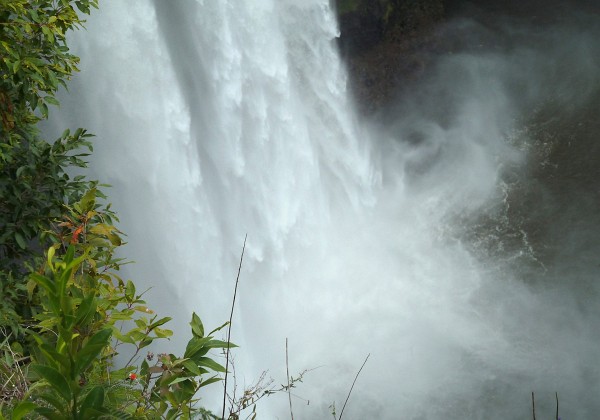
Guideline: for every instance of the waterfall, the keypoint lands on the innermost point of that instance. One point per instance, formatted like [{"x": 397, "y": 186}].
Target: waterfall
[{"x": 217, "y": 119}]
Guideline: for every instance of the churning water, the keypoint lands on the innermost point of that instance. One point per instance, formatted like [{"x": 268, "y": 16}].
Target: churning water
[{"x": 454, "y": 238}]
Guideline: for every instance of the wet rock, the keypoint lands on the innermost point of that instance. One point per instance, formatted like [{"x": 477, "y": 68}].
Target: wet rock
[{"x": 383, "y": 43}]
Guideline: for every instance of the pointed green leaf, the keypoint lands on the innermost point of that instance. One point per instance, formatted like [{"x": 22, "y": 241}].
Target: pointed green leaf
[
  {"x": 50, "y": 414},
  {"x": 88, "y": 201},
  {"x": 177, "y": 380},
  {"x": 51, "y": 100},
  {"x": 191, "y": 366},
  {"x": 163, "y": 332},
  {"x": 22, "y": 409},
  {"x": 45, "y": 282},
  {"x": 219, "y": 328},
  {"x": 210, "y": 381},
  {"x": 54, "y": 402},
  {"x": 92, "y": 349},
  {"x": 56, "y": 380},
  {"x": 159, "y": 323},
  {"x": 20, "y": 240},
  {"x": 210, "y": 363},
  {"x": 130, "y": 290},
  {"x": 218, "y": 344},
  {"x": 197, "y": 327},
  {"x": 195, "y": 345},
  {"x": 94, "y": 398},
  {"x": 125, "y": 338},
  {"x": 53, "y": 357}
]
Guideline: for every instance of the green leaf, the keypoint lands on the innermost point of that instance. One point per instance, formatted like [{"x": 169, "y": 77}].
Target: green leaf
[
  {"x": 54, "y": 402},
  {"x": 45, "y": 282},
  {"x": 92, "y": 349},
  {"x": 219, "y": 328},
  {"x": 44, "y": 109},
  {"x": 86, "y": 310},
  {"x": 94, "y": 399},
  {"x": 88, "y": 201},
  {"x": 197, "y": 327},
  {"x": 159, "y": 323},
  {"x": 124, "y": 315},
  {"x": 51, "y": 252},
  {"x": 192, "y": 367},
  {"x": 130, "y": 290},
  {"x": 22, "y": 409},
  {"x": 20, "y": 240},
  {"x": 34, "y": 15},
  {"x": 195, "y": 345},
  {"x": 50, "y": 414},
  {"x": 53, "y": 356},
  {"x": 20, "y": 170},
  {"x": 177, "y": 380},
  {"x": 209, "y": 363},
  {"x": 218, "y": 344},
  {"x": 51, "y": 100},
  {"x": 210, "y": 381},
  {"x": 145, "y": 342},
  {"x": 163, "y": 332},
  {"x": 125, "y": 338},
  {"x": 56, "y": 380}
]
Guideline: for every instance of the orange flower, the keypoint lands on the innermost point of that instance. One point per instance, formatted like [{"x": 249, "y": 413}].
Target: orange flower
[{"x": 76, "y": 233}]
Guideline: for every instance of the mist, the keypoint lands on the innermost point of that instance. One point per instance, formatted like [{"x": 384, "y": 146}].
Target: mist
[{"x": 452, "y": 236}]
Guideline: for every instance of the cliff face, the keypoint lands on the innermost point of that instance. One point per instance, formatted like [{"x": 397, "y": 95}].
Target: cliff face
[
  {"x": 366, "y": 23},
  {"x": 387, "y": 43},
  {"x": 382, "y": 41}
]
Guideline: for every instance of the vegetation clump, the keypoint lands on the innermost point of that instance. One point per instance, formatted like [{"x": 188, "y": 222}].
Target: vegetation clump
[{"x": 65, "y": 313}]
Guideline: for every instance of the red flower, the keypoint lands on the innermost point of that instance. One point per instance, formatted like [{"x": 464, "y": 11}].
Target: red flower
[{"x": 132, "y": 376}]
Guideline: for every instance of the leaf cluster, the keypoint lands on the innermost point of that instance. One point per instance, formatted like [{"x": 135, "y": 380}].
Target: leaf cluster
[
  {"x": 89, "y": 315},
  {"x": 35, "y": 180},
  {"x": 34, "y": 56}
]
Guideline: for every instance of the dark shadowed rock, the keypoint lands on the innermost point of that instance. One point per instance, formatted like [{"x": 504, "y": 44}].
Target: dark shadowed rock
[{"x": 382, "y": 41}]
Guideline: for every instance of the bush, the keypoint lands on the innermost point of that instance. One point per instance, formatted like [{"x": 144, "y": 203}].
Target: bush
[
  {"x": 34, "y": 183},
  {"x": 88, "y": 315}
]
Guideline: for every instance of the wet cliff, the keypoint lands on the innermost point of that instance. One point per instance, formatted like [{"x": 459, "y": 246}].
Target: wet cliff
[{"x": 384, "y": 42}]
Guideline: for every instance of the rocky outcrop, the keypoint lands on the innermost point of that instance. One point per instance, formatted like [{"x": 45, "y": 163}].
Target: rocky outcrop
[{"x": 382, "y": 41}]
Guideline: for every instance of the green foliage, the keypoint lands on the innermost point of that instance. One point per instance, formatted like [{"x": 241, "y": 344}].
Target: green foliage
[
  {"x": 88, "y": 316},
  {"x": 34, "y": 184},
  {"x": 34, "y": 57}
]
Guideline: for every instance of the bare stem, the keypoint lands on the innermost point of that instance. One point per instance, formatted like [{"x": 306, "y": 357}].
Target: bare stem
[
  {"x": 533, "y": 405},
  {"x": 556, "y": 394},
  {"x": 287, "y": 368},
  {"x": 229, "y": 327},
  {"x": 352, "y": 387}
]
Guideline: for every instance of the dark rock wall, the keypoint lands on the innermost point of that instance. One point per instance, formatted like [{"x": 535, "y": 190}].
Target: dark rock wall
[
  {"x": 365, "y": 23},
  {"x": 381, "y": 41},
  {"x": 387, "y": 43}
]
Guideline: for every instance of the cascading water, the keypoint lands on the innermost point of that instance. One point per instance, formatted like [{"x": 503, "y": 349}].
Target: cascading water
[{"x": 217, "y": 119}]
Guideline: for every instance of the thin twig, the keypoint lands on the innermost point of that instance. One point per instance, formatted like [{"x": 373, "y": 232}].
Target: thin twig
[
  {"x": 533, "y": 405},
  {"x": 229, "y": 327},
  {"x": 350, "y": 392},
  {"x": 556, "y": 394},
  {"x": 287, "y": 368}
]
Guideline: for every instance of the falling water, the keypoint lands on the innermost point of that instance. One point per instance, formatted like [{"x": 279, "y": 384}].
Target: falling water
[{"x": 405, "y": 237}]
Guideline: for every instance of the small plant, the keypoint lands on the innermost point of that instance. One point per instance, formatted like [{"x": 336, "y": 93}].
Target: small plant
[{"x": 88, "y": 314}]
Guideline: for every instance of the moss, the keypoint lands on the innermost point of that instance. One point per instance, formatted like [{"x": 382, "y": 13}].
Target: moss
[{"x": 347, "y": 6}]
